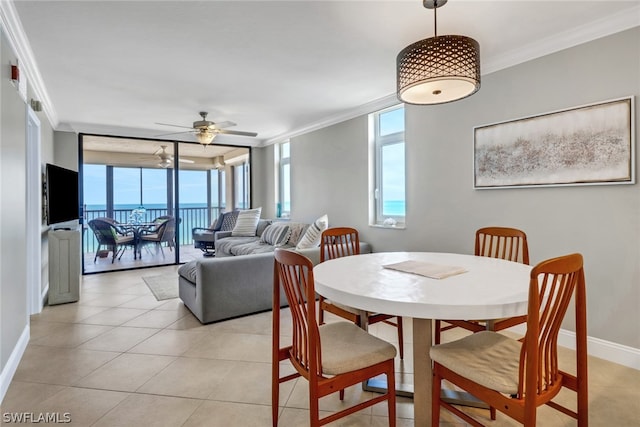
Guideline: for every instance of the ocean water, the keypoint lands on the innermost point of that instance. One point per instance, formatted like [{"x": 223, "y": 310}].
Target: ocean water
[{"x": 394, "y": 207}]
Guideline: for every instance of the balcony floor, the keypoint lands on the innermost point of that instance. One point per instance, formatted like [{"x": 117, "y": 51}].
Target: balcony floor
[{"x": 149, "y": 258}]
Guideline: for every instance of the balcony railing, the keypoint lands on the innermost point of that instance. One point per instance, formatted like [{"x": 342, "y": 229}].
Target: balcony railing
[{"x": 188, "y": 218}]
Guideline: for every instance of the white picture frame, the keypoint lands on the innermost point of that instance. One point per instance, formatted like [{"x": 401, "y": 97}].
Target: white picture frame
[{"x": 588, "y": 145}]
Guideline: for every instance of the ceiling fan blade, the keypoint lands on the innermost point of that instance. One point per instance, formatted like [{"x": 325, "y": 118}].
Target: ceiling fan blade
[
  {"x": 177, "y": 126},
  {"x": 223, "y": 125},
  {"x": 174, "y": 133},
  {"x": 236, "y": 132}
]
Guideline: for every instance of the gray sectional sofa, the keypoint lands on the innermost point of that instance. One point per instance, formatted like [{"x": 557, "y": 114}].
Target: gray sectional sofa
[{"x": 229, "y": 285}]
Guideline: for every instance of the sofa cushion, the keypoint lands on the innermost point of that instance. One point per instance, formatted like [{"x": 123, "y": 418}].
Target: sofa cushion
[
  {"x": 188, "y": 271},
  {"x": 276, "y": 234},
  {"x": 251, "y": 248},
  {"x": 225, "y": 245},
  {"x": 247, "y": 223},
  {"x": 229, "y": 221},
  {"x": 313, "y": 234}
]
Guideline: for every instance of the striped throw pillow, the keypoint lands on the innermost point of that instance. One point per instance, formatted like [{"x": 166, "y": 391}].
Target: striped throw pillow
[
  {"x": 247, "y": 223},
  {"x": 276, "y": 234},
  {"x": 311, "y": 237}
]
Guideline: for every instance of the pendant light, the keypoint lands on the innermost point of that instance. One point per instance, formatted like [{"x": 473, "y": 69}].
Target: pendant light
[{"x": 438, "y": 69}]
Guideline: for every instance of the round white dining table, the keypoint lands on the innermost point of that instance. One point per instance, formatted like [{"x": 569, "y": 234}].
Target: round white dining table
[{"x": 489, "y": 288}]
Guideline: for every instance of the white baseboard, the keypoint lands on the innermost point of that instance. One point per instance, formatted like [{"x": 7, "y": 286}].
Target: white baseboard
[
  {"x": 11, "y": 366},
  {"x": 616, "y": 353},
  {"x": 607, "y": 350}
]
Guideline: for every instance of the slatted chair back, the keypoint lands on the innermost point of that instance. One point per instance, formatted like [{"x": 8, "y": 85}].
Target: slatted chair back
[
  {"x": 553, "y": 283},
  {"x": 338, "y": 242},
  {"x": 502, "y": 242},
  {"x": 296, "y": 278}
]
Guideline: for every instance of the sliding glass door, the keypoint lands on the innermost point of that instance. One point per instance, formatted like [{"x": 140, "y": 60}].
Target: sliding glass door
[{"x": 139, "y": 184}]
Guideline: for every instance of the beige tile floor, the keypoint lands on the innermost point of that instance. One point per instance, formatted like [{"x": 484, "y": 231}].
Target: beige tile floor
[{"x": 118, "y": 357}]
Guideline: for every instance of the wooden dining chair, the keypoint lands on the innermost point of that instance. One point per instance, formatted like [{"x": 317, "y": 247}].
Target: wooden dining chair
[
  {"x": 330, "y": 357},
  {"x": 515, "y": 377},
  {"x": 496, "y": 242},
  {"x": 337, "y": 242}
]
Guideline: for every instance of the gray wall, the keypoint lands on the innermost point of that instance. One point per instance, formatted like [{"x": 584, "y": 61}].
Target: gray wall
[
  {"x": 330, "y": 175},
  {"x": 13, "y": 292},
  {"x": 65, "y": 151},
  {"x": 13, "y": 228}
]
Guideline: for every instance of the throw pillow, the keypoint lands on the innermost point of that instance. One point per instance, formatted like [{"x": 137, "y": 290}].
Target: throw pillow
[
  {"x": 229, "y": 221},
  {"x": 247, "y": 223},
  {"x": 276, "y": 234},
  {"x": 312, "y": 236},
  {"x": 297, "y": 231}
]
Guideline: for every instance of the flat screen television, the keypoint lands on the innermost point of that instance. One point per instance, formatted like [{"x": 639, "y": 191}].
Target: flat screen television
[{"x": 62, "y": 202}]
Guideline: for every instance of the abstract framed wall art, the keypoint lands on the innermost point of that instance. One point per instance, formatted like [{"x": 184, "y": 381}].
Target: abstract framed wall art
[{"x": 587, "y": 145}]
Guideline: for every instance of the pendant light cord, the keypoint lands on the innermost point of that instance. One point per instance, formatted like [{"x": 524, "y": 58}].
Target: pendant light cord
[{"x": 435, "y": 18}]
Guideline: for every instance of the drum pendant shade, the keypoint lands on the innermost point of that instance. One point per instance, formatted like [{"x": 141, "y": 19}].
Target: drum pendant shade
[{"x": 439, "y": 69}]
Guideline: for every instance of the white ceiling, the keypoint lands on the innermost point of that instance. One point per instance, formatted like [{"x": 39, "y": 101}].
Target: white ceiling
[{"x": 274, "y": 67}]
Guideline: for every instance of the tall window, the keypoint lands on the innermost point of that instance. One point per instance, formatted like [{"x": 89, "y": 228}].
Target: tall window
[
  {"x": 241, "y": 186},
  {"x": 389, "y": 160},
  {"x": 283, "y": 158}
]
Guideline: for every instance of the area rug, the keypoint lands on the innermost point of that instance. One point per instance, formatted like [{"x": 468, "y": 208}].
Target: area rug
[{"x": 163, "y": 287}]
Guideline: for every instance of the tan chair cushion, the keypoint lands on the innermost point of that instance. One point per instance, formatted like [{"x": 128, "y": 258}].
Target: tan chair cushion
[
  {"x": 487, "y": 358},
  {"x": 346, "y": 347},
  {"x": 124, "y": 239},
  {"x": 153, "y": 237}
]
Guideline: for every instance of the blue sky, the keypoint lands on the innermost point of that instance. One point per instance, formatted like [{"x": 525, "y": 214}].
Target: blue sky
[{"x": 126, "y": 181}]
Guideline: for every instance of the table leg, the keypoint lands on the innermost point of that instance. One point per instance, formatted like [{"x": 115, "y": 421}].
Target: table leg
[{"x": 422, "y": 372}]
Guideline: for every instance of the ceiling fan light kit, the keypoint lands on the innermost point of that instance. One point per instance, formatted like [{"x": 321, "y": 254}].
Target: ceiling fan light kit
[
  {"x": 439, "y": 69},
  {"x": 205, "y": 136}
]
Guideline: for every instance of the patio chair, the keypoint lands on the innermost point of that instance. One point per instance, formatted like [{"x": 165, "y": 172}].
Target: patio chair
[
  {"x": 112, "y": 237},
  {"x": 164, "y": 232}
]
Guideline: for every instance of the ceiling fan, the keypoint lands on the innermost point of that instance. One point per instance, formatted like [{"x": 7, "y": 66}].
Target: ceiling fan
[
  {"x": 205, "y": 130},
  {"x": 166, "y": 159}
]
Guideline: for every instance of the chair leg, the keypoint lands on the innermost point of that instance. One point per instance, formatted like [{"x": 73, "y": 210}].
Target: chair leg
[
  {"x": 96, "y": 257},
  {"x": 436, "y": 335},
  {"x": 400, "y": 338},
  {"x": 275, "y": 393},
  {"x": 391, "y": 403},
  {"x": 435, "y": 398},
  {"x": 320, "y": 311}
]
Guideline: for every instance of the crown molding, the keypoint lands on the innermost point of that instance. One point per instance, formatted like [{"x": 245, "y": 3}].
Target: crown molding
[
  {"x": 606, "y": 26},
  {"x": 28, "y": 67},
  {"x": 360, "y": 110}
]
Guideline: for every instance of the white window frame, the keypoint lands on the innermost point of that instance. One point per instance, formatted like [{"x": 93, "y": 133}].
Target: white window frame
[
  {"x": 281, "y": 163},
  {"x": 378, "y": 142}
]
